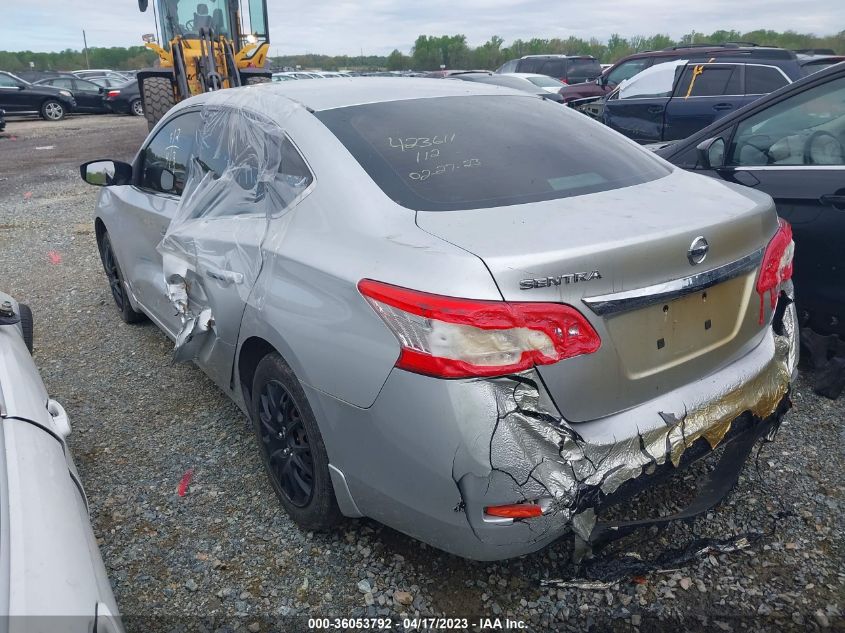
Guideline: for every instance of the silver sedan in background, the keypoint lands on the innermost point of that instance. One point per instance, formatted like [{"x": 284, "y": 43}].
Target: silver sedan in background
[
  {"x": 459, "y": 309},
  {"x": 51, "y": 575}
]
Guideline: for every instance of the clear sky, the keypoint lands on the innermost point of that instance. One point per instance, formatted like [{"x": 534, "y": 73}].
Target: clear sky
[{"x": 379, "y": 26}]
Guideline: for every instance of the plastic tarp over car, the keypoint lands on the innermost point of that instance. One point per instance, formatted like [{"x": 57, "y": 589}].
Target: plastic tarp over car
[
  {"x": 657, "y": 81},
  {"x": 235, "y": 189}
]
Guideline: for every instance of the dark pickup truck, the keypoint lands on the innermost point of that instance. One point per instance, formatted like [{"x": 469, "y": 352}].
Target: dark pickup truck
[{"x": 673, "y": 100}]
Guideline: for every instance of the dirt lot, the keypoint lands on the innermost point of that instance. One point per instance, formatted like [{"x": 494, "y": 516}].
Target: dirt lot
[{"x": 227, "y": 550}]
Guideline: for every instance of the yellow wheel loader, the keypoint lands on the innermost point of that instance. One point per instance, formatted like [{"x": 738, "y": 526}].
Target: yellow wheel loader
[{"x": 205, "y": 46}]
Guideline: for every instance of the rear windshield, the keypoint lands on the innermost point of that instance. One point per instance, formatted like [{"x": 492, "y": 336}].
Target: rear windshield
[{"x": 477, "y": 152}]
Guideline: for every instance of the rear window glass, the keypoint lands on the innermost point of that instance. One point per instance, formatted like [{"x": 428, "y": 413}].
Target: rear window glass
[
  {"x": 485, "y": 151},
  {"x": 763, "y": 79}
]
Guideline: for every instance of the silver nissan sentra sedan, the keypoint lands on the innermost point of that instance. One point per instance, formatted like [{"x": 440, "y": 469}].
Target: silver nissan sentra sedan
[{"x": 460, "y": 310}]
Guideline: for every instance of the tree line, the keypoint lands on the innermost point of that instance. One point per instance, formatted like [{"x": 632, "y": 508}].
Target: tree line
[
  {"x": 430, "y": 52},
  {"x": 115, "y": 58}
]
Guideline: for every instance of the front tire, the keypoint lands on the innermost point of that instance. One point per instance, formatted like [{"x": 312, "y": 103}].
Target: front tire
[
  {"x": 291, "y": 446},
  {"x": 115, "y": 277},
  {"x": 158, "y": 98},
  {"x": 136, "y": 107},
  {"x": 52, "y": 110}
]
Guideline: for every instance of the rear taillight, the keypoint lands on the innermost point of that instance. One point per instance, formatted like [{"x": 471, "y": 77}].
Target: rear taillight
[
  {"x": 777, "y": 264},
  {"x": 456, "y": 338},
  {"x": 563, "y": 81},
  {"x": 113, "y": 93}
]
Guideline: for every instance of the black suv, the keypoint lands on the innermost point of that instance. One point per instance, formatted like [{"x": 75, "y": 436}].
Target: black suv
[
  {"x": 19, "y": 96},
  {"x": 570, "y": 69}
]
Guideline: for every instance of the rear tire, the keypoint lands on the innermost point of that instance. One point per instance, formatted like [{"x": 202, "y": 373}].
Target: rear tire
[
  {"x": 291, "y": 446},
  {"x": 136, "y": 107},
  {"x": 158, "y": 98},
  {"x": 52, "y": 110},
  {"x": 26, "y": 324},
  {"x": 115, "y": 277},
  {"x": 257, "y": 80}
]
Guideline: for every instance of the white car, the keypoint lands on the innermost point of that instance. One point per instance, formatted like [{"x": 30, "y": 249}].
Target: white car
[
  {"x": 549, "y": 84},
  {"x": 49, "y": 562}
]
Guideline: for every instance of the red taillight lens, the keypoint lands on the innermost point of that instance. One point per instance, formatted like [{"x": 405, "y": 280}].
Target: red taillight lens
[
  {"x": 449, "y": 337},
  {"x": 563, "y": 81},
  {"x": 777, "y": 264},
  {"x": 113, "y": 93},
  {"x": 515, "y": 511}
]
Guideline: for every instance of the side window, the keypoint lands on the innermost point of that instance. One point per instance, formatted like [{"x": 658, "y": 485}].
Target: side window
[
  {"x": 7, "y": 82},
  {"x": 530, "y": 65},
  {"x": 554, "y": 68},
  {"x": 294, "y": 175},
  {"x": 760, "y": 80},
  {"x": 626, "y": 70},
  {"x": 86, "y": 86},
  {"x": 700, "y": 80},
  {"x": 165, "y": 160},
  {"x": 63, "y": 82},
  {"x": 509, "y": 67},
  {"x": 808, "y": 128}
]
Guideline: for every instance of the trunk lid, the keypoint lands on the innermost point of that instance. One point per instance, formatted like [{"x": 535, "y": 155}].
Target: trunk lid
[{"x": 629, "y": 240}]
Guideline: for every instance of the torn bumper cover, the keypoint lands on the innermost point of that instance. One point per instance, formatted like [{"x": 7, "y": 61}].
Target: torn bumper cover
[
  {"x": 573, "y": 470},
  {"x": 440, "y": 453}
]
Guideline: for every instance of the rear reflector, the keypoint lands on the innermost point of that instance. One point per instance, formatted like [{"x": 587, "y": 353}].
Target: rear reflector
[
  {"x": 777, "y": 265},
  {"x": 515, "y": 511},
  {"x": 449, "y": 337}
]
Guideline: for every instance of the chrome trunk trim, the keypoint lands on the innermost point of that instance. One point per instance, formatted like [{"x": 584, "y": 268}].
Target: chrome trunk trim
[{"x": 616, "y": 302}]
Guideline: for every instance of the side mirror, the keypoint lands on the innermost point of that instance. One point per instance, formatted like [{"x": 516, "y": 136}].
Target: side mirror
[
  {"x": 103, "y": 173},
  {"x": 602, "y": 81},
  {"x": 711, "y": 153}
]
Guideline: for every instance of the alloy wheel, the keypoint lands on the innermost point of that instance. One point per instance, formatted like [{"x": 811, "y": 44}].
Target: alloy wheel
[
  {"x": 137, "y": 108},
  {"x": 286, "y": 444},
  {"x": 54, "y": 111}
]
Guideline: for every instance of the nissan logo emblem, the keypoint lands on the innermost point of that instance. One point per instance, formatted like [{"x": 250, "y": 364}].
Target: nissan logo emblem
[{"x": 697, "y": 252}]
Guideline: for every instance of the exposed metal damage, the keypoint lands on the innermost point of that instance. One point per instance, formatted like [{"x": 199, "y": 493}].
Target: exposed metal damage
[{"x": 538, "y": 457}]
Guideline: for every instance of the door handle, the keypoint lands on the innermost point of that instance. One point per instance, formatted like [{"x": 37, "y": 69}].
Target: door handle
[
  {"x": 723, "y": 106},
  {"x": 225, "y": 276},
  {"x": 655, "y": 109},
  {"x": 833, "y": 199}
]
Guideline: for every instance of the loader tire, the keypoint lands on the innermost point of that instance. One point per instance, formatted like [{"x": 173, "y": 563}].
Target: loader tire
[
  {"x": 158, "y": 98},
  {"x": 257, "y": 80}
]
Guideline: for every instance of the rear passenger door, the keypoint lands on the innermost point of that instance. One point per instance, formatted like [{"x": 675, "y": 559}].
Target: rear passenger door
[
  {"x": 637, "y": 110},
  {"x": 705, "y": 93},
  {"x": 252, "y": 176}
]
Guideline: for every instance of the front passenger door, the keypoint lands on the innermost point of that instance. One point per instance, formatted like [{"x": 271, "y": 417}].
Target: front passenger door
[{"x": 144, "y": 211}]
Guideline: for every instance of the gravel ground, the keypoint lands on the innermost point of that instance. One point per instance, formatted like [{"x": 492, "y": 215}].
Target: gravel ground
[{"x": 226, "y": 548}]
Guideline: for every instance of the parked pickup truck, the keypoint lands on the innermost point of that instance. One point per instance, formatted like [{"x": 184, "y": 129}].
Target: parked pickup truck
[{"x": 673, "y": 100}]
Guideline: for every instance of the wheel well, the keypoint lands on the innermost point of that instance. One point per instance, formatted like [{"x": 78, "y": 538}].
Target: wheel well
[{"x": 252, "y": 351}]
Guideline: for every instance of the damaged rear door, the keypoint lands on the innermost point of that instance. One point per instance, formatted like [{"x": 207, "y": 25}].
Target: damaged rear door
[{"x": 212, "y": 252}]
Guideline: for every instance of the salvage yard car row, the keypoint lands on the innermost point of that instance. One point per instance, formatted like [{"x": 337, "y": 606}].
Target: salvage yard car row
[{"x": 55, "y": 97}]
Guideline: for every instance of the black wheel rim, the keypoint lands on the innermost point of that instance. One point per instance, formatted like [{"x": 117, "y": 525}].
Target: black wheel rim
[
  {"x": 285, "y": 443},
  {"x": 110, "y": 264}
]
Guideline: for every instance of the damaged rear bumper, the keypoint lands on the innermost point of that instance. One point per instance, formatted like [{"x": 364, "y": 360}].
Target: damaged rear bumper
[{"x": 431, "y": 455}]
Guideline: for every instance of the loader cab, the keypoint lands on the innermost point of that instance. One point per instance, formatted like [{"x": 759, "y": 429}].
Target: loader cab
[{"x": 188, "y": 18}]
